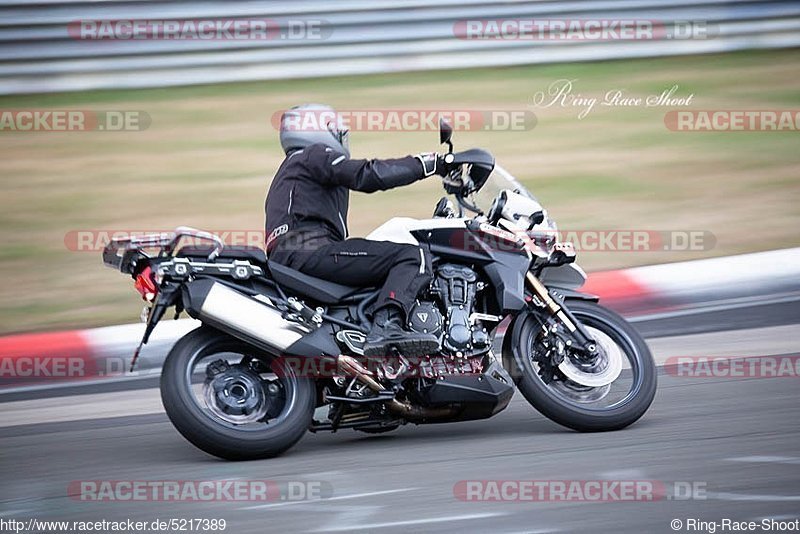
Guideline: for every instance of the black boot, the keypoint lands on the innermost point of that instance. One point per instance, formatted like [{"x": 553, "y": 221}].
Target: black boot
[{"x": 388, "y": 333}]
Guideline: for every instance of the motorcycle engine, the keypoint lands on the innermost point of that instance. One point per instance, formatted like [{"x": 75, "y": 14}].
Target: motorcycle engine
[
  {"x": 425, "y": 318},
  {"x": 456, "y": 287}
]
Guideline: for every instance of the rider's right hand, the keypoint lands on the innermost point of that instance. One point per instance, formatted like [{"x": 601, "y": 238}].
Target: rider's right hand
[{"x": 433, "y": 163}]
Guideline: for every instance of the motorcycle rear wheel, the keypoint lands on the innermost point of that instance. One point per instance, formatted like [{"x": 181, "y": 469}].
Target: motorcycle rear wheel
[{"x": 213, "y": 421}]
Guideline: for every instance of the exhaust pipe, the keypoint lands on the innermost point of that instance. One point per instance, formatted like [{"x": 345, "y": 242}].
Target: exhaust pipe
[
  {"x": 240, "y": 315},
  {"x": 413, "y": 413}
]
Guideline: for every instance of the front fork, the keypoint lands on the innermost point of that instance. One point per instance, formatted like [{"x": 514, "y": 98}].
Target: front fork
[{"x": 575, "y": 328}]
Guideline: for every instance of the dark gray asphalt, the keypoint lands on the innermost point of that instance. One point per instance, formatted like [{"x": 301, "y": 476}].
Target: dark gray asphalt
[
  {"x": 770, "y": 310},
  {"x": 694, "y": 430},
  {"x": 736, "y": 440}
]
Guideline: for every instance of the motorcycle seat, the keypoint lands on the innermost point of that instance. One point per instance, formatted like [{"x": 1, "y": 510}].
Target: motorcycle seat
[
  {"x": 322, "y": 291},
  {"x": 252, "y": 254},
  {"x": 317, "y": 289}
]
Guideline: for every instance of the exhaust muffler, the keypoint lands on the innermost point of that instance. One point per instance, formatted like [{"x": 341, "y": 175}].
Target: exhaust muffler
[{"x": 242, "y": 316}]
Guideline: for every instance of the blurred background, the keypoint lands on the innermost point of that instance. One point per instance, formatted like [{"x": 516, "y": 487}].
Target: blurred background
[
  {"x": 204, "y": 148},
  {"x": 210, "y": 147}
]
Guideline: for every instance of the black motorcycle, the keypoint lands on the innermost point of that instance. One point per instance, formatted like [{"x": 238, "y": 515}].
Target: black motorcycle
[{"x": 280, "y": 352}]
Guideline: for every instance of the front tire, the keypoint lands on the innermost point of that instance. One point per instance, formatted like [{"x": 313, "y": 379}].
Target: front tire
[
  {"x": 556, "y": 406},
  {"x": 206, "y": 427}
]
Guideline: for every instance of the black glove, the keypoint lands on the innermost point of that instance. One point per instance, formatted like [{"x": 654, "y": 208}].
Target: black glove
[{"x": 433, "y": 163}]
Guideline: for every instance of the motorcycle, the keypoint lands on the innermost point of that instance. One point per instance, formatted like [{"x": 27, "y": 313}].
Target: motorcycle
[{"x": 280, "y": 353}]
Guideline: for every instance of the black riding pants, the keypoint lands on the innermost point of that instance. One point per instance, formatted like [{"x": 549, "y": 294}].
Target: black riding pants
[{"x": 402, "y": 270}]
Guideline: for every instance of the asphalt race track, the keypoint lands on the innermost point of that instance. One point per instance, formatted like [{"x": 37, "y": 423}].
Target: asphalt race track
[{"x": 734, "y": 441}]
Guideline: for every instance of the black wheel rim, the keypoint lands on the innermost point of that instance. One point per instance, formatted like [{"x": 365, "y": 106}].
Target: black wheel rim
[
  {"x": 633, "y": 376},
  {"x": 253, "y": 392}
]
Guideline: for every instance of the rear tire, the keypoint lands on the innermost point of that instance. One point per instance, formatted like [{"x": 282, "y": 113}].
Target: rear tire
[
  {"x": 541, "y": 397},
  {"x": 212, "y": 435}
]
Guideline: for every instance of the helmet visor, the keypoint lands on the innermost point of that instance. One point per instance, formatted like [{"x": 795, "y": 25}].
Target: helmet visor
[
  {"x": 338, "y": 129},
  {"x": 344, "y": 139}
]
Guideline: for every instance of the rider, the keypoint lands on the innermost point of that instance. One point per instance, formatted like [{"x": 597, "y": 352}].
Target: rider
[{"x": 306, "y": 210}]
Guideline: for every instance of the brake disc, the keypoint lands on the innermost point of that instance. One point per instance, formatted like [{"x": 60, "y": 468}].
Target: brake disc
[{"x": 603, "y": 370}]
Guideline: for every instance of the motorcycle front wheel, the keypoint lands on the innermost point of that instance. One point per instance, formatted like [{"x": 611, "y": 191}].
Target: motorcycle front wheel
[{"x": 586, "y": 408}]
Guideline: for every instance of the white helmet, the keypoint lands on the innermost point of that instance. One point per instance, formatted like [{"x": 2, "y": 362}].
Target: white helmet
[{"x": 309, "y": 124}]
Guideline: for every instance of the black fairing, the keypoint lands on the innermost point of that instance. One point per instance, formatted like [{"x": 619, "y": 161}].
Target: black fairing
[
  {"x": 507, "y": 276},
  {"x": 480, "y": 396},
  {"x": 504, "y": 263}
]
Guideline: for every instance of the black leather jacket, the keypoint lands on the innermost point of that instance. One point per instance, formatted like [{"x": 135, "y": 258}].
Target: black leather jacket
[{"x": 310, "y": 194}]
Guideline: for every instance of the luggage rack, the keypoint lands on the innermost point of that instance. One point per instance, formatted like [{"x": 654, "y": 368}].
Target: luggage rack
[{"x": 123, "y": 253}]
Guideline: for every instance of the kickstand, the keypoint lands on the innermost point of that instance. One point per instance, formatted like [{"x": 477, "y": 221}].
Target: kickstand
[{"x": 136, "y": 355}]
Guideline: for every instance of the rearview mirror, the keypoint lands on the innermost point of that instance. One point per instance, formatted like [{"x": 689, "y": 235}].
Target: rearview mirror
[{"x": 445, "y": 133}]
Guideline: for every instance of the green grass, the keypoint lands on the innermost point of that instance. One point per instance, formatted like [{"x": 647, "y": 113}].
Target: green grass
[{"x": 207, "y": 157}]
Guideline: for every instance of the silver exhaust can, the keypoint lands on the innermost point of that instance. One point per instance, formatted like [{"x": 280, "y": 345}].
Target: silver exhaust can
[{"x": 244, "y": 317}]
